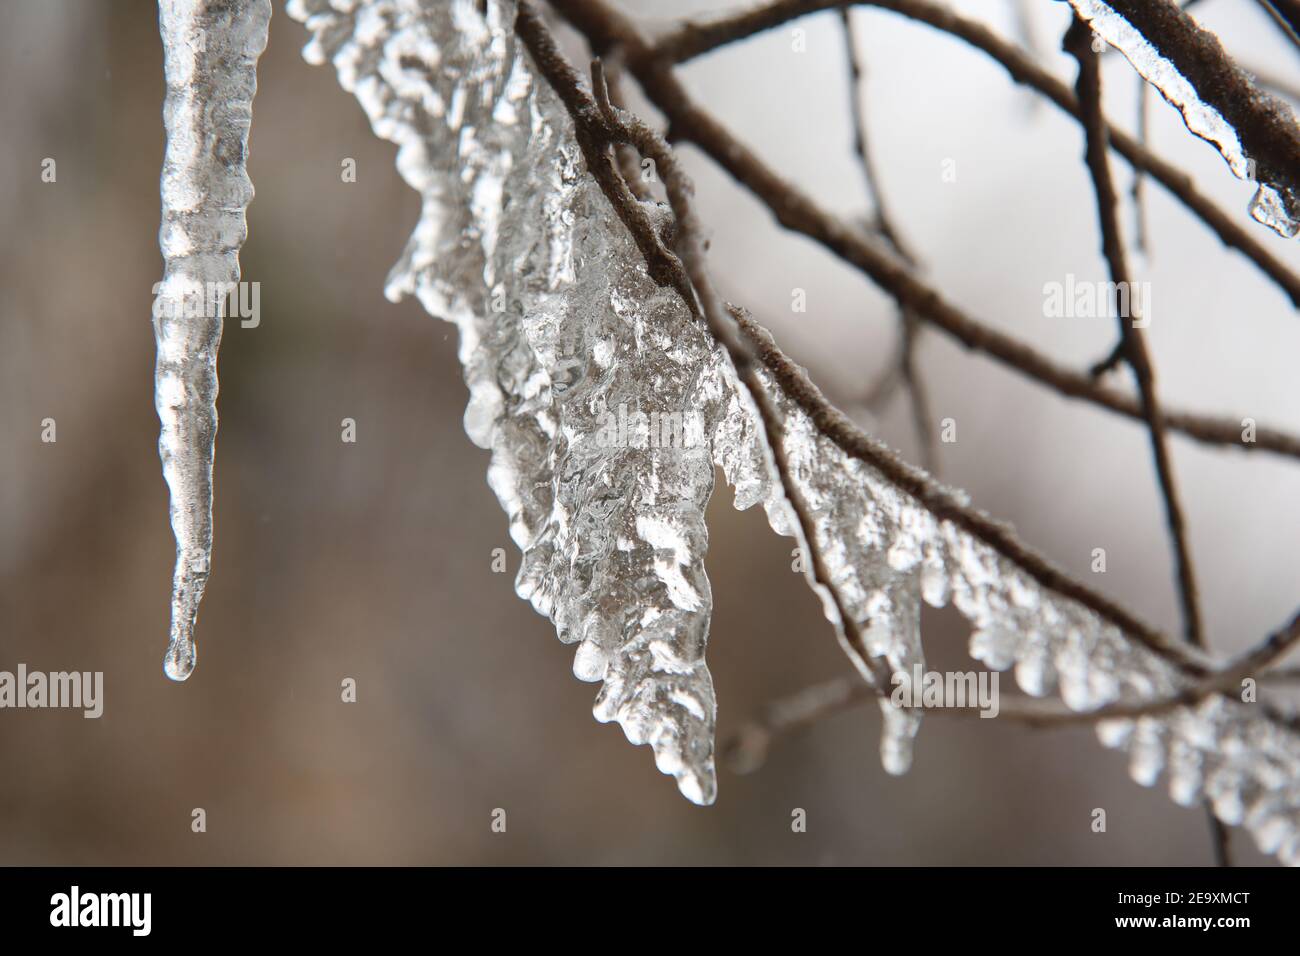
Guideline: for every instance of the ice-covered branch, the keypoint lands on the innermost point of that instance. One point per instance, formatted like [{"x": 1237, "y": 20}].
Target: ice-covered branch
[
  {"x": 695, "y": 38},
  {"x": 574, "y": 296},
  {"x": 1255, "y": 131},
  {"x": 748, "y": 748}
]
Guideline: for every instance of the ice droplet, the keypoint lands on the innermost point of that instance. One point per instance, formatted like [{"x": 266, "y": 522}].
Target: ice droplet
[
  {"x": 1267, "y": 207},
  {"x": 180, "y": 659},
  {"x": 210, "y": 51}
]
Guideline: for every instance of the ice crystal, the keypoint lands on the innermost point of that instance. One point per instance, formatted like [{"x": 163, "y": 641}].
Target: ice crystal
[
  {"x": 560, "y": 325},
  {"x": 210, "y": 51}
]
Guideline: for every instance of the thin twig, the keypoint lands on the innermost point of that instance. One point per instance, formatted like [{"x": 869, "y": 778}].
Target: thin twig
[
  {"x": 747, "y": 750},
  {"x": 1112, "y": 360},
  {"x": 922, "y": 418},
  {"x": 885, "y": 224},
  {"x": 1078, "y": 43},
  {"x": 1139, "y": 177},
  {"x": 1287, "y": 26},
  {"x": 906, "y": 371},
  {"x": 887, "y": 383},
  {"x": 627, "y": 155}
]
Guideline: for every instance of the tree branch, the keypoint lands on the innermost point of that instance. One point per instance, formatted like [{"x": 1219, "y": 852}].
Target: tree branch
[
  {"x": 694, "y": 38},
  {"x": 906, "y": 371}
]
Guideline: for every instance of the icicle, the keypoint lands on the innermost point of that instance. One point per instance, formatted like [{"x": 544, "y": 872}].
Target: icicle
[{"x": 210, "y": 51}]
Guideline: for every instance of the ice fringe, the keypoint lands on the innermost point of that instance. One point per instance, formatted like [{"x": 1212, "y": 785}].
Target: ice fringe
[
  {"x": 210, "y": 51},
  {"x": 559, "y": 323}
]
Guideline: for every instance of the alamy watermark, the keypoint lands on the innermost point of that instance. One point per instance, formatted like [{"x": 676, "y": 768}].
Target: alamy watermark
[
  {"x": 182, "y": 298},
  {"x": 1082, "y": 299},
  {"x": 75, "y": 690},
  {"x": 935, "y": 689},
  {"x": 75, "y": 908},
  {"x": 621, "y": 428}
]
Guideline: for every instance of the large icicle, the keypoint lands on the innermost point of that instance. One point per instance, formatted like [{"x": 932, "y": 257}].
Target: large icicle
[
  {"x": 559, "y": 324},
  {"x": 565, "y": 343},
  {"x": 210, "y": 50}
]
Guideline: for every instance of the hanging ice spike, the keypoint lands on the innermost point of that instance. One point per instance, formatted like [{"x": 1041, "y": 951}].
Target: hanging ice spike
[{"x": 210, "y": 51}]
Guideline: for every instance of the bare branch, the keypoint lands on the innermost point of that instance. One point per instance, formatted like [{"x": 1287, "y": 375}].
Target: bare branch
[
  {"x": 694, "y": 38},
  {"x": 885, "y": 224},
  {"x": 1286, "y": 15},
  {"x": 1078, "y": 43},
  {"x": 905, "y": 371},
  {"x": 1139, "y": 177},
  {"x": 747, "y": 750}
]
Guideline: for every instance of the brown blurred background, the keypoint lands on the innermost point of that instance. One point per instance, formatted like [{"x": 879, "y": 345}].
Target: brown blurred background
[{"x": 372, "y": 560}]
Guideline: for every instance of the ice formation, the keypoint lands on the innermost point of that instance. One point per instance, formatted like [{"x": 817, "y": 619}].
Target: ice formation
[
  {"x": 1269, "y": 204},
  {"x": 560, "y": 326},
  {"x": 210, "y": 51},
  {"x": 561, "y": 335}
]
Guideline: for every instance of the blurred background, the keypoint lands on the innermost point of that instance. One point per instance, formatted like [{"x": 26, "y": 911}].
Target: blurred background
[{"x": 373, "y": 561}]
